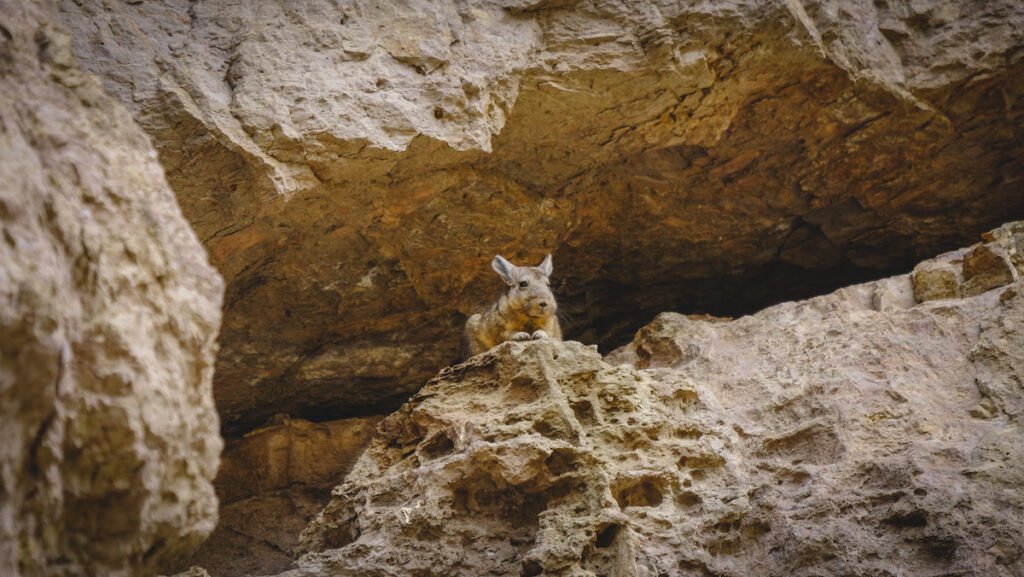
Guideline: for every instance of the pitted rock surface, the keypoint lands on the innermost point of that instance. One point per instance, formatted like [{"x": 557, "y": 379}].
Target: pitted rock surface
[
  {"x": 109, "y": 310},
  {"x": 858, "y": 433}
]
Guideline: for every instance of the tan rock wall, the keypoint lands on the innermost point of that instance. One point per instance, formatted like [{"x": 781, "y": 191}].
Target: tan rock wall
[{"x": 109, "y": 311}]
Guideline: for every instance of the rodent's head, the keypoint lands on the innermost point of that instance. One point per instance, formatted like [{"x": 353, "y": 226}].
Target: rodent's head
[{"x": 528, "y": 289}]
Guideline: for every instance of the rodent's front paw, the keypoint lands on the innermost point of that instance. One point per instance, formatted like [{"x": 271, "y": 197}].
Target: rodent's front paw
[
  {"x": 520, "y": 336},
  {"x": 539, "y": 335}
]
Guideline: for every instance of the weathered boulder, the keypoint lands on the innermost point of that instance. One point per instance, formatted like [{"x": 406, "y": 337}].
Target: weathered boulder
[
  {"x": 109, "y": 311},
  {"x": 858, "y": 433},
  {"x": 352, "y": 166}
]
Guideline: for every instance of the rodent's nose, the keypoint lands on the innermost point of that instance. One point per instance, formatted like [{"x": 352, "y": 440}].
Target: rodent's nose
[{"x": 543, "y": 305}]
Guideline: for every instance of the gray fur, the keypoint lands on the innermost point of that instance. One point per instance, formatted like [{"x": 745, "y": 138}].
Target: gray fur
[{"x": 505, "y": 269}]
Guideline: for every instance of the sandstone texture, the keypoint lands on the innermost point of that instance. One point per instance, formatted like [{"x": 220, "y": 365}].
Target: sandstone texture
[
  {"x": 858, "y": 433},
  {"x": 271, "y": 484},
  {"x": 968, "y": 272},
  {"x": 109, "y": 311},
  {"x": 352, "y": 166}
]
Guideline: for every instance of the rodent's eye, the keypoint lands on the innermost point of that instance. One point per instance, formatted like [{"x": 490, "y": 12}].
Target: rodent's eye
[{"x": 523, "y": 284}]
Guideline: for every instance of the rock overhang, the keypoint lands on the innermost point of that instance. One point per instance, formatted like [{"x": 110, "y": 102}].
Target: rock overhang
[{"x": 352, "y": 181}]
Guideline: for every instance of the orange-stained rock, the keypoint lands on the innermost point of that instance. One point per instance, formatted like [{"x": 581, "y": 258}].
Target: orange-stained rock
[
  {"x": 271, "y": 484},
  {"x": 354, "y": 166},
  {"x": 295, "y": 452}
]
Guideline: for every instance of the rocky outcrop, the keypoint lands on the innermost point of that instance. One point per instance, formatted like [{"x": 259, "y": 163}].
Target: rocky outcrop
[
  {"x": 271, "y": 484},
  {"x": 859, "y": 433},
  {"x": 972, "y": 271},
  {"x": 108, "y": 314},
  {"x": 353, "y": 166}
]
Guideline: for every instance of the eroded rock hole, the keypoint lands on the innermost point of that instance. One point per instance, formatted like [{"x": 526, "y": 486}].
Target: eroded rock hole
[
  {"x": 792, "y": 478},
  {"x": 483, "y": 496},
  {"x": 700, "y": 461},
  {"x": 817, "y": 444},
  {"x": 562, "y": 461},
  {"x": 943, "y": 550},
  {"x": 338, "y": 535},
  {"x": 689, "y": 499},
  {"x": 584, "y": 412},
  {"x": 606, "y": 535},
  {"x": 523, "y": 389},
  {"x": 728, "y": 525},
  {"x": 643, "y": 492},
  {"x": 531, "y": 568},
  {"x": 436, "y": 447},
  {"x": 690, "y": 433},
  {"x": 552, "y": 428},
  {"x": 653, "y": 433},
  {"x": 915, "y": 519}
]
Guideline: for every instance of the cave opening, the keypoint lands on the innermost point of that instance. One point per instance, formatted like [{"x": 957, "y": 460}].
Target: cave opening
[{"x": 621, "y": 310}]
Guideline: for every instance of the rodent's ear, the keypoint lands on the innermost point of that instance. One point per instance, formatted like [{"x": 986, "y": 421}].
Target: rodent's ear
[
  {"x": 546, "y": 266},
  {"x": 504, "y": 269}
]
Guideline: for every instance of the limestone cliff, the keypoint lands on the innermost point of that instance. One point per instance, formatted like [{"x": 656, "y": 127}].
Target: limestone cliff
[
  {"x": 858, "y": 433},
  {"x": 108, "y": 314},
  {"x": 352, "y": 165}
]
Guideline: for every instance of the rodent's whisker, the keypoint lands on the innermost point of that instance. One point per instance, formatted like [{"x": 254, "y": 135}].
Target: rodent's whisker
[{"x": 564, "y": 317}]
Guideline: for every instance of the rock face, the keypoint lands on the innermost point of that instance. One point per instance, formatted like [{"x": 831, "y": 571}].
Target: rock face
[
  {"x": 972, "y": 271},
  {"x": 271, "y": 484},
  {"x": 108, "y": 313},
  {"x": 859, "y": 433},
  {"x": 352, "y": 166}
]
